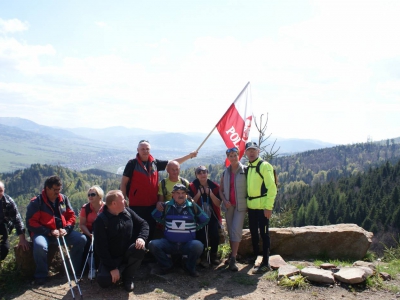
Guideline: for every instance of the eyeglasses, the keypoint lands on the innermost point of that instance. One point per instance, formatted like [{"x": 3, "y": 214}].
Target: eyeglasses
[
  {"x": 57, "y": 189},
  {"x": 202, "y": 172},
  {"x": 234, "y": 149},
  {"x": 144, "y": 141},
  {"x": 92, "y": 195}
]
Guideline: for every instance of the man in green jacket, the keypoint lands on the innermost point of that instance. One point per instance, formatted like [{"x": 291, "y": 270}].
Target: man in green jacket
[{"x": 261, "y": 192}]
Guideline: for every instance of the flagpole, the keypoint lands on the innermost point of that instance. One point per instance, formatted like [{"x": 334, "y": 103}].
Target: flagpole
[
  {"x": 221, "y": 118},
  {"x": 206, "y": 139}
]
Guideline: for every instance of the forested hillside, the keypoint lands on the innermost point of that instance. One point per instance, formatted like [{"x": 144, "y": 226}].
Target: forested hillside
[
  {"x": 24, "y": 184},
  {"x": 318, "y": 166},
  {"x": 369, "y": 199}
]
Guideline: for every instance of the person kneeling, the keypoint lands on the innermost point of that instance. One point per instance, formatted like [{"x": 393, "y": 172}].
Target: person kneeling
[
  {"x": 120, "y": 241},
  {"x": 182, "y": 218}
]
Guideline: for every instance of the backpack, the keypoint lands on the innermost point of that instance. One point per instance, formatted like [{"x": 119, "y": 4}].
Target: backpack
[
  {"x": 263, "y": 188},
  {"x": 87, "y": 209},
  {"x": 128, "y": 185},
  {"x": 193, "y": 204},
  {"x": 164, "y": 188}
]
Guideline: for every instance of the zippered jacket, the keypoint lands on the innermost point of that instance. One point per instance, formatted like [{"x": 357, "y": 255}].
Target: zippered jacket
[
  {"x": 181, "y": 227},
  {"x": 254, "y": 184},
  {"x": 143, "y": 190},
  {"x": 40, "y": 218},
  {"x": 12, "y": 217},
  {"x": 240, "y": 186}
]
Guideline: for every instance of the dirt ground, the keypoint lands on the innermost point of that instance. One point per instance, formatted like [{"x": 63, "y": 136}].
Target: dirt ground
[{"x": 213, "y": 283}]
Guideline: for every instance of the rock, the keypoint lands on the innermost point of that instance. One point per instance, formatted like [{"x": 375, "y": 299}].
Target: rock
[
  {"x": 351, "y": 275},
  {"x": 287, "y": 270},
  {"x": 341, "y": 241},
  {"x": 276, "y": 261},
  {"x": 360, "y": 263},
  {"x": 385, "y": 276},
  {"x": 327, "y": 266},
  {"x": 26, "y": 264},
  {"x": 318, "y": 275}
]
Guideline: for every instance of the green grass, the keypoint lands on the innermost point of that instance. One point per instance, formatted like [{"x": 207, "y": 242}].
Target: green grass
[{"x": 297, "y": 282}]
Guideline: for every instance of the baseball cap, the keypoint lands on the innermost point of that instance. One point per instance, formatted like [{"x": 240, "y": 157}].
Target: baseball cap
[
  {"x": 252, "y": 145},
  {"x": 200, "y": 168},
  {"x": 179, "y": 186}
]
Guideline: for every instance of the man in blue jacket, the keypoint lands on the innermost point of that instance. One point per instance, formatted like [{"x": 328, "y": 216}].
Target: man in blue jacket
[{"x": 182, "y": 218}]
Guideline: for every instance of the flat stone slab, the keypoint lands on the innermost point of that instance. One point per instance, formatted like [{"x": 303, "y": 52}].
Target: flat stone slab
[
  {"x": 276, "y": 261},
  {"x": 288, "y": 271},
  {"x": 318, "y": 275},
  {"x": 352, "y": 275}
]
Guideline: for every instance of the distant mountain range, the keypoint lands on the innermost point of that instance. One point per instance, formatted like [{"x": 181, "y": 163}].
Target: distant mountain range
[{"x": 24, "y": 142}]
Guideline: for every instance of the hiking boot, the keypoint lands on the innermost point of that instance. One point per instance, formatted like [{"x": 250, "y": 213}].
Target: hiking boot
[
  {"x": 129, "y": 285},
  {"x": 232, "y": 265},
  {"x": 251, "y": 260},
  {"x": 226, "y": 262},
  {"x": 159, "y": 270},
  {"x": 214, "y": 259},
  {"x": 192, "y": 273},
  {"x": 261, "y": 269},
  {"x": 92, "y": 274}
]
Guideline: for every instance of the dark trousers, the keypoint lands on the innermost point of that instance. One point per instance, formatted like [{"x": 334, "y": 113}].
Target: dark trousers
[
  {"x": 258, "y": 222},
  {"x": 212, "y": 232},
  {"x": 145, "y": 213},
  {"x": 4, "y": 244},
  {"x": 127, "y": 266}
]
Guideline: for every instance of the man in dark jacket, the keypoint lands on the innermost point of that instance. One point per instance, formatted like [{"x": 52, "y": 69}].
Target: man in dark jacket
[
  {"x": 10, "y": 218},
  {"x": 119, "y": 238},
  {"x": 50, "y": 216}
]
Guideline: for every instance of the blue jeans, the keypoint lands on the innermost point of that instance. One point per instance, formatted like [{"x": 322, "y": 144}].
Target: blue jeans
[
  {"x": 40, "y": 248},
  {"x": 161, "y": 248}
]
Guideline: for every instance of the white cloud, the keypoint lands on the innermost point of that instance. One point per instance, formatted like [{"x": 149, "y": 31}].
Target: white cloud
[{"x": 12, "y": 26}]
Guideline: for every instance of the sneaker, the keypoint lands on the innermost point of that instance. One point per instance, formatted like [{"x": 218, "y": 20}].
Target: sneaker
[
  {"x": 41, "y": 281},
  {"x": 228, "y": 259},
  {"x": 129, "y": 285},
  {"x": 92, "y": 274},
  {"x": 261, "y": 269},
  {"x": 232, "y": 265}
]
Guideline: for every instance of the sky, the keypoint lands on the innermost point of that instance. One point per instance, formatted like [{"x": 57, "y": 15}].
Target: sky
[{"x": 324, "y": 70}]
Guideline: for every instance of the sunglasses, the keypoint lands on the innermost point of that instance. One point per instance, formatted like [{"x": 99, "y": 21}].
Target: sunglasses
[
  {"x": 234, "y": 149},
  {"x": 92, "y": 195},
  {"x": 202, "y": 172},
  {"x": 144, "y": 141}
]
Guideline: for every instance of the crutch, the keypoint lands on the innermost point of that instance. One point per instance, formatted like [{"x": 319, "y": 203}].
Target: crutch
[
  {"x": 90, "y": 252},
  {"x": 72, "y": 268}
]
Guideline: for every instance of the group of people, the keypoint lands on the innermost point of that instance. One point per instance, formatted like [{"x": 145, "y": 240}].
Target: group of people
[{"x": 125, "y": 224}]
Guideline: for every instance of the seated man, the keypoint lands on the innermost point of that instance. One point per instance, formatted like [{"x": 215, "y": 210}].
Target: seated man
[
  {"x": 120, "y": 236},
  {"x": 48, "y": 217},
  {"x": 182, "y": 218},
  {"x": 10, "y": 218}
]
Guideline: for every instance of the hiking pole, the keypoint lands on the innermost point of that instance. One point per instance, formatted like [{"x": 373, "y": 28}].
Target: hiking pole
[
  {"x": 72, "y": 266},
  {"x": 66, "y": 268},
  {"x": 87, "y": 258},
  {"x": 92, "y": 267},
  {"x": 208, "y": 250}
]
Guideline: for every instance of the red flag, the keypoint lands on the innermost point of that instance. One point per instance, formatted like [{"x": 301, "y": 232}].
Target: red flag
[{"x": 234, "y": 126}]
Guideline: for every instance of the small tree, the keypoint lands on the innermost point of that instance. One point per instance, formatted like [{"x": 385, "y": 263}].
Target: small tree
[{"x": 263, "y": 137}]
